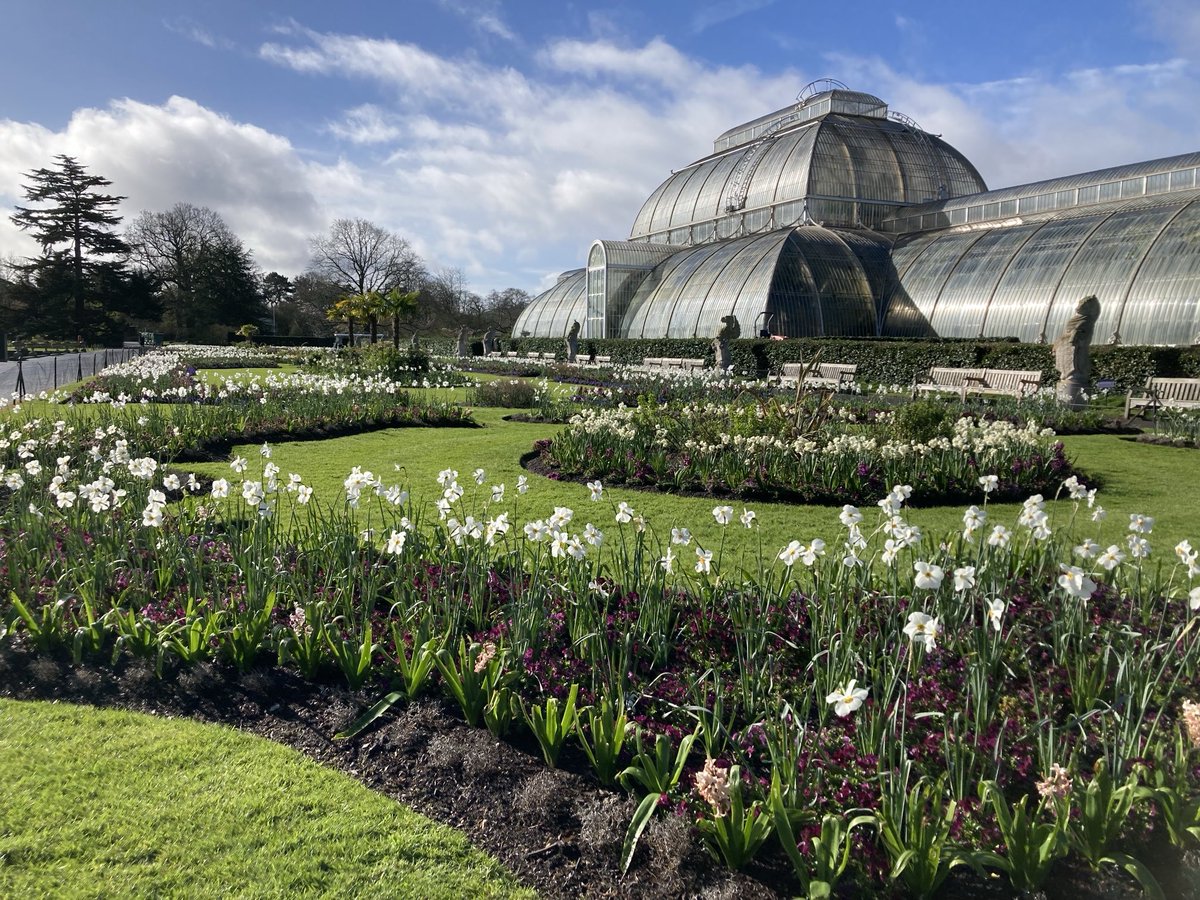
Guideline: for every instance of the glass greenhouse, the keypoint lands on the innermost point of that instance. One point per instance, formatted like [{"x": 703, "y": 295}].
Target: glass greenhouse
[{"x": 835, "y": 217}]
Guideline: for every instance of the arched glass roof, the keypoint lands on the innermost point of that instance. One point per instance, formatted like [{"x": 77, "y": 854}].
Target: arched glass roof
[
  {"x": 1139, "y": 256},
  {"x": 798, "y": 282},
  {"x": 551, "y": 313}
]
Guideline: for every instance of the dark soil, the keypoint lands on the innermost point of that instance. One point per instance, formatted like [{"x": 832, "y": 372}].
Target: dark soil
[{"x": 557, "y": 830}]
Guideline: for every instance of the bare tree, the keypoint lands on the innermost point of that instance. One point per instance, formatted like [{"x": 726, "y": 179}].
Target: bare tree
[
  {"x": 362, "y": 258},
  {"x": 206, "y": 273}
]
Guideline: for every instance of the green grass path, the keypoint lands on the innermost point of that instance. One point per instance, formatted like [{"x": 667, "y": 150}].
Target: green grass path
[
  {"x": 104, "y": 803},
  {"x": 1163, "y": 482}
]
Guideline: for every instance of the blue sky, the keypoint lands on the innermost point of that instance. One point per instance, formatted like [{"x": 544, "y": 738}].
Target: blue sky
[{"x": 500, "y": 138}]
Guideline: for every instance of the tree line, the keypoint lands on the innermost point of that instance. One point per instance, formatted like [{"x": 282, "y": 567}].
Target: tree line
[{"x": 183, "y": 272}]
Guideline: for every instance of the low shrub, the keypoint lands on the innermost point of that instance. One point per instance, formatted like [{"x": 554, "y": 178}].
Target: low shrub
[{"x": 511, "y": 394}]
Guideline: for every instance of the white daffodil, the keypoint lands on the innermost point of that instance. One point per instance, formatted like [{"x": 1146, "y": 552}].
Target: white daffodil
[
  {"x": 1194, "y": 598},
  {"x": 723, "y": 514},
  {"x": 1089, "y": 549},
  {"x": 496, "y": 528},
  {"x": 537, "y": 530},
  {"x": 1140, "y": 524},
  {"x": 989, "y": 483},
  {"x": 624, "y": 512},
  {"x": 1111, "y": 558},
  {"x": 923, "y": 629},
  {"x": 681, "y": 536},
  {"x": 522, "y": 484},
  {"x": 497, "y": 493},
  {"x": 575, "y": 549},
  {"x": 994, "y": 609},
  {"x": 252, "y": 492},
  {"x": 596, "y": 488},
  {"x": 220, "y": 489},
  {"x": 593, "y": 535},
  {"x": 303, "y": 494},
  {"x": 810, "y": 554},
  {"x": 446, "y": 476},
  {"x": 847, "y": 698},
  {"x": 747, "y": 517},
  {"x": 1075, "y": 490},
  {"x": 929, "y": 577},
  {"x": 1000, "y": 537},
  {"x": 850, "y": 515},
  {"x": 964, "y": 578},
  {"x": 1139, "y": 547},
  {"x": 703, "y": 561},
  {"x": 396, "y": 542},
  {"x": 668, "y": 561},
  {"x": 791, "y": 553},
  {"x": 480, "y": 476},
  {"x": 1075, "y": 582}
]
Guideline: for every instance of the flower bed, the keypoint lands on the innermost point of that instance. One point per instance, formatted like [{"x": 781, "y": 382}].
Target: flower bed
[
  {"x": 812, "y": 690},
  {"x": 803, "y": 453}
]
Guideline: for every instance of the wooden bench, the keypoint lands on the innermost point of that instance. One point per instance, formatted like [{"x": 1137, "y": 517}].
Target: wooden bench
[
  {"x": 1178, "y": 393},
  {"x": 834, "y": 376},
  {"x": 1008, "y": 382},
  {"x": 671, "y": 363}
]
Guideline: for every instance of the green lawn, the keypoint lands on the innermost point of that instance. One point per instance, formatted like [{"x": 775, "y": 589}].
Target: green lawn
[
  {"x": 103, "y": 803},
  {"x": 1138, "y": 478}
]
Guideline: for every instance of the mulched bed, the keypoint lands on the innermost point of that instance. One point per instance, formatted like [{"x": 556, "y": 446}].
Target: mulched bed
[{"x": 556, "y": 830}]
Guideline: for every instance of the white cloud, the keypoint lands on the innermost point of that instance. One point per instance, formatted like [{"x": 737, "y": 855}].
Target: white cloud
[
  {"x": 198, "y": 33},
  {"x": 510, "y": 174},
  {"x": 715, "y": 13},
  {"x": 157, "y": 156},
  {"x": 366, "y": 124},
  {"x": 484, "y": 16},
  {"x": 1044, "y": 125},
  {"x": 657, "y": 61}
]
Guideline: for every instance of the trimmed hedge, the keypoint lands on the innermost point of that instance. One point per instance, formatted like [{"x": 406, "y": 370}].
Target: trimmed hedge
[{"x": 892, "y": 360}]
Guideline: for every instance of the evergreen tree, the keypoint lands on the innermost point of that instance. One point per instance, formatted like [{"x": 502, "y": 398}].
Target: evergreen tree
[{"x": 77, "y": 215}]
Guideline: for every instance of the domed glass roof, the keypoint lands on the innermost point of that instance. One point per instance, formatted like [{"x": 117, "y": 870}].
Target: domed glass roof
[{"x": 837, "y": 159}]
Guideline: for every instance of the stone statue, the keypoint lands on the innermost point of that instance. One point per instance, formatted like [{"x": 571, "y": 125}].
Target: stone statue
[
  {"x": 491, "y": 341},
  {"x": 1071, "y": 353},
  {"x": 730, "y": 331},
  {"x": 415, "y": 342},
  {"x": 464, "y": 349},
  {"x": 573, "y": 342}
]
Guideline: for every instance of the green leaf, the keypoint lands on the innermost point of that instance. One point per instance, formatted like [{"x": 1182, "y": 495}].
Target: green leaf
[
  {"x": 360, "y": 724},
  {"x": 641, "y": 818}
]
